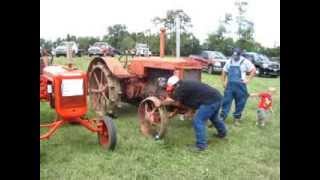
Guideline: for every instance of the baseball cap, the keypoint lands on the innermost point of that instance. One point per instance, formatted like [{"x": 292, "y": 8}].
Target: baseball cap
[{"x": 172, "y": 80}]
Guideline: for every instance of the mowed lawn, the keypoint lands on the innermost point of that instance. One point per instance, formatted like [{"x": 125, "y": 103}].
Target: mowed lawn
[{"x": 249, "y": 152}]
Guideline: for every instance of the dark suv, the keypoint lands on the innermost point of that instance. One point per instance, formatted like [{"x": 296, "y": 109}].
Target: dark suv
[{"x": 263, "y": 64}]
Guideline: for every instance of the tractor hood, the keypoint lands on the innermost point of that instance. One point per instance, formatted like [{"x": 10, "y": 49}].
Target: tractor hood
[{"x": 140, "y": 64}]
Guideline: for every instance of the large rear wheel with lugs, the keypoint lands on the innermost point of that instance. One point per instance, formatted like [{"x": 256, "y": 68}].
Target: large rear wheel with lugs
[
  {"x": 98, "y": 88},
  {"x": 104, "y": 89}
]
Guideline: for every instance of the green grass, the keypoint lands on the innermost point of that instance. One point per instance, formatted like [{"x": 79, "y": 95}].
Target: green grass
[{"x": 248, "y": 152}]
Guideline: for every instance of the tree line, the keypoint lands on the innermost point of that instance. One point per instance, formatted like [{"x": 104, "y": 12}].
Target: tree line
[{"x": 120, "y": 38}]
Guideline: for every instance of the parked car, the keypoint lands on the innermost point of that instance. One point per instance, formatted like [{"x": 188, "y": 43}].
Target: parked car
[
  {"x": 212, "y": 61},
  {"x": 142, "y": 50},
  {"x": 102, "y": 48},
  {"x": 61, "y": 50},
  {"x": 264, "y": 66},
  {"x": 98, "y": 49},
  {"x": 114, "y": 51},
  {"x": 276, "y": 59}
]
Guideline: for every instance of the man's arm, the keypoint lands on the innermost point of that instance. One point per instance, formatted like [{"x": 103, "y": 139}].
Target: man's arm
[
  {"x": 224, "y": 79},
  {"x": 255, "y": 95},
  {"x": 252, "y": 73},
  {"x": 169, "y": 101}
]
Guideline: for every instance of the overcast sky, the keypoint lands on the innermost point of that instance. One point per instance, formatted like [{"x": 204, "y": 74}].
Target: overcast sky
[{"x": 92, "y": 17}]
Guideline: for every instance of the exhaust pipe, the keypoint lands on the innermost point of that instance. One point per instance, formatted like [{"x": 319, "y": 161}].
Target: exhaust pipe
[{"x": 162, "y": 41}]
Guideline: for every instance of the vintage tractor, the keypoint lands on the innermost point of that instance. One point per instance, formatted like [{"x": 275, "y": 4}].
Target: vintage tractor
[
  {"x": 66, "y": 89},
  {"x": 142, "y": 82}
]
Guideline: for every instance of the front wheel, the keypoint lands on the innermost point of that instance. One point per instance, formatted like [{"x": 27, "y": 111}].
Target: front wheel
[
  {"x": 153, "y": 119},
  {"x": 108, "y": 137}
]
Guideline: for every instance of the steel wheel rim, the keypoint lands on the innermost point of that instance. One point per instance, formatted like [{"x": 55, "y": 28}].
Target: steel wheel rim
[
  {"x": 98, "y": 88},
  {"x": 152, "y": 119}
]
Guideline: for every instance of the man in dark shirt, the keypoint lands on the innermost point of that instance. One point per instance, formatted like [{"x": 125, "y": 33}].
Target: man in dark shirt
[{"x": 205, "y": 99}]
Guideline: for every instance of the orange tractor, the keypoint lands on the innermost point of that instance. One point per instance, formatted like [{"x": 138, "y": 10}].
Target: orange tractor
[
  {"x": 66, "y": 89},
  {"x": 110, "y": 84}
]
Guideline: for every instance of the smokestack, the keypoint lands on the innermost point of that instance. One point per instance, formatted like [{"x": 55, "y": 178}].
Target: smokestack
[{"x": 162, "y": 41}]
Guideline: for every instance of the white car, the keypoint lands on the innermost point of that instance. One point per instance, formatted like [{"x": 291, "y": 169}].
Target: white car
[
  {"x": 61, "y": 50},
  {"x": 142, "y": 50}
]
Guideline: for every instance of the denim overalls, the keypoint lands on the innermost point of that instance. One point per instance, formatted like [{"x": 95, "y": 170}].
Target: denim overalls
[{"x": 236, "y": 89}]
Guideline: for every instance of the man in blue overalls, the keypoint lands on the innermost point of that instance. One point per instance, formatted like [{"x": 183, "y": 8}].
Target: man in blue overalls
[{"x": 235, "y": 80}]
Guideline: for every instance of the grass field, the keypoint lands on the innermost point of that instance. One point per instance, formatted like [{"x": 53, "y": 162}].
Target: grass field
[{"x": 248, "y": 152}]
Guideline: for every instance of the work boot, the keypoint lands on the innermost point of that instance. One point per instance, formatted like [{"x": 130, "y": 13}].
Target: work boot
[
  {"x": 195, "y": 148},
  {"x": 220, "y": 135}
]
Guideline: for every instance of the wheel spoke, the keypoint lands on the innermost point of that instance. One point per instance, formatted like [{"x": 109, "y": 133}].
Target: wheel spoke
[
  {"x": 97, "y": 81},
  {"x": 146, "y": 113},
  {"x": 95, "y": 101},
  {"x": 101, "y": 76},
  {"x": 104, "y": 95},
  {"x": 94, "y": 90}
]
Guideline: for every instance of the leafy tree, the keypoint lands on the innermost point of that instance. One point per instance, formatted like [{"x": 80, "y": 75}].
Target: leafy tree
[
  {"x": 169, "y": 23},
  {"x": 126, "y": 43},
  {"x": 217, "y": 42},
  {"x": 154, "y": 43},
  {"x": 116, "y": 34},
  {"x": 46, "y": 44},
  {"x": 85, "y": 42},
  {"x": 245, "y": 26},
  {"x": 271, "y": 52}
]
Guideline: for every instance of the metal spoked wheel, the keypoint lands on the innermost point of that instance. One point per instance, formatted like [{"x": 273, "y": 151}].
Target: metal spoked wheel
[
  {"x": 153, "y": 119},
  {"x": 108, "y": 137},
  {"x": 98, "y": 88}
]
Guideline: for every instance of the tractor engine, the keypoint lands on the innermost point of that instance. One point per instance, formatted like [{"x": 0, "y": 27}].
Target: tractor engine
[{"x": 65, "y": 90}]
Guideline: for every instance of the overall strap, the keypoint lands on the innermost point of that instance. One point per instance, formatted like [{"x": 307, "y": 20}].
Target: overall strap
[{"x": 242, "y": 61}]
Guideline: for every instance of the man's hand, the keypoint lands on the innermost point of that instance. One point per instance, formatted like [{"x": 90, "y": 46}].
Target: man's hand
[
  {"x": 271, "y": 109},
  {"x": 246, "y": 81},
  {"x": 225, "y": 84},
  {"x": 254, "y": 94},
  {"x": 173, "y": 113},
  {"x": 167, "y": 101},
  {"x": 251, "y": 75}
]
